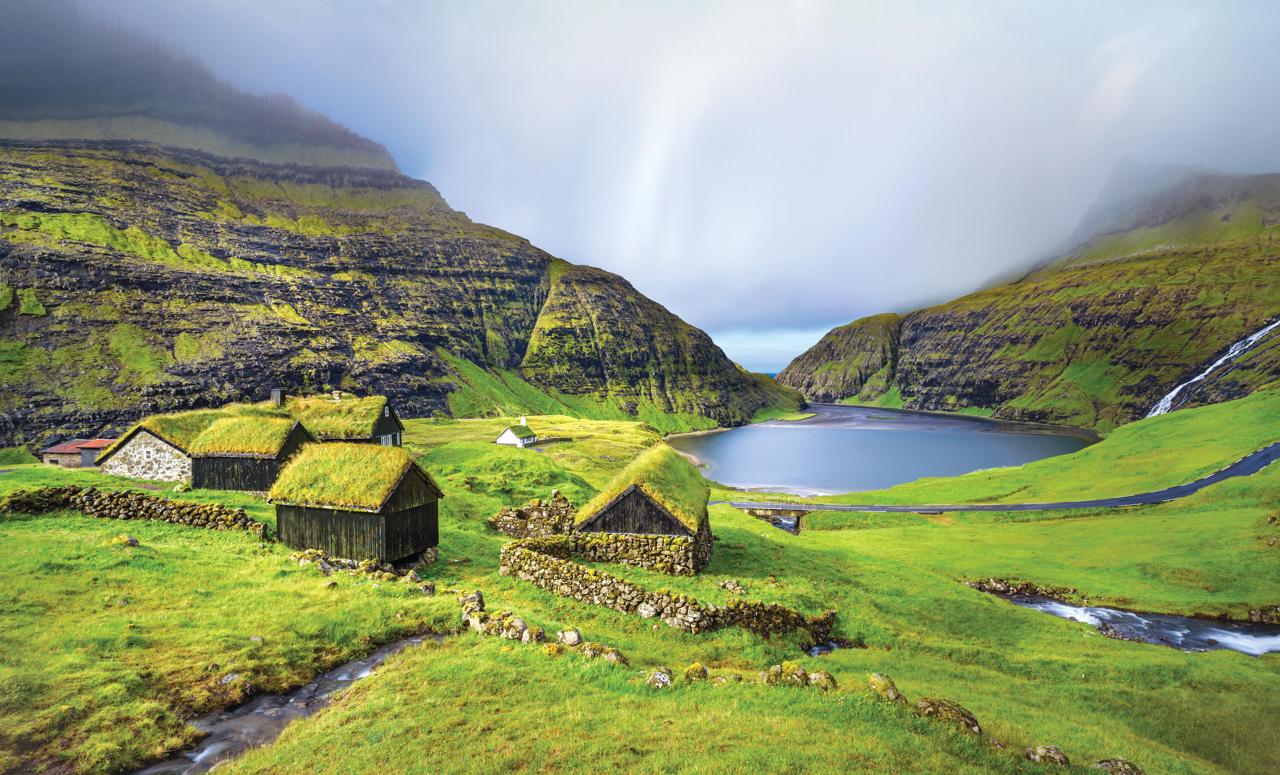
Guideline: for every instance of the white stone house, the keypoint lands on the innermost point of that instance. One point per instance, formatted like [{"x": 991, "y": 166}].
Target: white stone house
[
  {"x": 517, "y": 435},
  {"x": 144, "y": 454}
]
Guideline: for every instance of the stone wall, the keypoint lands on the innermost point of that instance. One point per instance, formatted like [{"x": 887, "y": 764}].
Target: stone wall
[
  {"x": 548, "y": 563},
  {"x": 129, "y": 504},
  {"x": 536, "y": 518},
  {"x": 146, "y": 457}
]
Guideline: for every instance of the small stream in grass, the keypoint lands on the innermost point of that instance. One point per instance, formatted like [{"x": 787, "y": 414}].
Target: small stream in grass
[
  {"x": 1187, "y": 633},
  {"x": 261, "y": 720}
]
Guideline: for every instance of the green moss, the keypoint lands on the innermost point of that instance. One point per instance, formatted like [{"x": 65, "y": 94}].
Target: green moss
[
  {"x": 243, "y": 436},
  {"x": 208, "y": 346},
  {"x": 341, "y": 475},
  {"x": 286, "y": 312},
  {"x": 348, "y": 417},
  {"x": 6, "y": 297},
  {"x": 142, "y": 358},
  {"x": 29, "y": 303},
  {"x": 667, "y": 477}
]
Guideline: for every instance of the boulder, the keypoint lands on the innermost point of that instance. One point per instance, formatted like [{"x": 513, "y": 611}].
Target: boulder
[
  {"x": 885, "y": 688},
  {"x": 695, "y": 672},
  {"x": 730, "y": 678},
  {"x": 1048, "y": 754},
  {"x": 772, "y": 676},
  {"x": 823, "y": 680},
  {"x": 534, "y": 635},
  {"x": 950, "y": 712},
  {"x": 659, "y": 678},
  {"x": 1117, "y": 767},
  {"x": 794, "y": 675},
  {"x": 647, "y": 610},
  {"x": 553, "y": 649},
  {"x": 569, "y": 637}
]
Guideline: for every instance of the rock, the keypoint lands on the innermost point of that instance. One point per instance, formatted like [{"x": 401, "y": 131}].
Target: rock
[
  {"x": 823, "y": 680},
  {"x": 647, "y": 610},
  {"x": 885, "y": 688},
  {"x": 228, "y": 678},
  {"x": 255, "y": 638},
  {"x": 659, "y": 678},
  {"x": 771, "y": 676},
  {"x": 613, "y": 655},
  {"x": 1117, "y": 767},
  {"x": 733, "y": 586},
  {"x": 570, "y": 637},
  {"x": 726, "y": 679},
  {"x": 553, "y": 649},
  {"x": 695, "y": 672},
  {"x": 534, "y": 635},
  {"x": 794, "y": 675},
  {"x": 514, "y": 628},
  {"x": 1048, "y": 754},
  {"x": 476, "y": 599},
  {"x": 330, "y": 585},
  {"x": 950, "y": 712},
  {"x": 412, "y": 577},
  {"x": 427, "y": 589}
]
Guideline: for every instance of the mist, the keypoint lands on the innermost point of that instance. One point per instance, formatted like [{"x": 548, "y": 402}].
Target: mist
[{"x": 766, "y": 170}]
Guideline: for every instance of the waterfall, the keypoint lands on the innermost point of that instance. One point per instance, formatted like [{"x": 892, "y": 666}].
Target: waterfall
[{"x": 1166, "y": 404}]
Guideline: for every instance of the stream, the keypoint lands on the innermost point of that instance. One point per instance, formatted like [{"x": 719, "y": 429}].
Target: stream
[
  {"x": 1165, "y": 405},
  {"x": 1187, "y": 633},
  {"x": 261, "y": 720}
]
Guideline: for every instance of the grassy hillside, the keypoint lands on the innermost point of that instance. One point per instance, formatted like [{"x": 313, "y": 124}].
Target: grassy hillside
[
  {"x": 1030, "y": 678},
  {"x": 134, "y": 280},
  {"x": 1097, "y": 337}
]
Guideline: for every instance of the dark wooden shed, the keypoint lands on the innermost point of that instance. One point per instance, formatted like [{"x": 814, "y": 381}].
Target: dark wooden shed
[
  {"x": 344, "y": 417},
  {"x": 359, "y": 501},
  {"x": 245, "y": 453}
]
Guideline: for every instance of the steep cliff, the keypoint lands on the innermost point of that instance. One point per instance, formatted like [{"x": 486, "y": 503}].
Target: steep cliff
[
  {"x": 849, "y": 359},
  {"x": 1096, "y": 337},
  {"x": 135, "y": 279}
]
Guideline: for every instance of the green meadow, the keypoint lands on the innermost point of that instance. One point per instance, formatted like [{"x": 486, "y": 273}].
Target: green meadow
[{"x": 108, "y": 647}]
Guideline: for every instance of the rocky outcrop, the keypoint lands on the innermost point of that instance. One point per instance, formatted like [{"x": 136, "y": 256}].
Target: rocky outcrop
[
  {"x": 858, "y": 358},
  {"x": 173, "y": 279},
  {"x": 1093, "y": 339},
  {"x": 129, "y": 504}
]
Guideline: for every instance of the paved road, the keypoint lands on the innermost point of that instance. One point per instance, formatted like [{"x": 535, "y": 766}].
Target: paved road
[{"x": 1246, "y": 466}]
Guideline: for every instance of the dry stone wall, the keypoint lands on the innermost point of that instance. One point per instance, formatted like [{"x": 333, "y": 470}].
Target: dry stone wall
[
  {"x": 548, "y": 563},
  {"x": 146, "y": 457},
  {"x": 129, "y": 504}
]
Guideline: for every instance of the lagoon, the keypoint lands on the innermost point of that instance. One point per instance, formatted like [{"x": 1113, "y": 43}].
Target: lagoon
[{"x": 849, "y": 448}]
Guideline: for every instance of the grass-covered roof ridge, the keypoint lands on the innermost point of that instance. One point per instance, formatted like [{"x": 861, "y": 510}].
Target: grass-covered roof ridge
[
  {"x": 182, "y": 428},
  {"x": 244, "y": 435},
  {"x": 348, "y": 417},
  {"x": 521, "y": 431},
  {"x": 358, "y": 477},
  {"x": 664, "y": 475}
]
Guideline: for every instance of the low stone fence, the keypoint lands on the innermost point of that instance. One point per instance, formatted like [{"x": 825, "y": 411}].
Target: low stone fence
[
  {"x": 130, "y": 504},
  {"x": 548, "y": 563},
  {"x": 536, "y": 518},
  {"x": 672, "y": 555}
]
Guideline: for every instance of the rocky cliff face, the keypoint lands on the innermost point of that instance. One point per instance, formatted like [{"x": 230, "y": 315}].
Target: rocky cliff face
[
  {"x": 1097, "y": 337},
  {"x": 851, "y": 358},
  {"x": 135, "y": 280}
]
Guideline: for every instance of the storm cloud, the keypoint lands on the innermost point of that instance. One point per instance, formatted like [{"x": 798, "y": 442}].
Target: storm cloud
[{"x": 767, "y": 169}]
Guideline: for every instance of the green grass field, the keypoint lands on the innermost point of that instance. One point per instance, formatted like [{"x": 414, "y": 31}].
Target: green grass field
[{"x": 101, "y": 685}]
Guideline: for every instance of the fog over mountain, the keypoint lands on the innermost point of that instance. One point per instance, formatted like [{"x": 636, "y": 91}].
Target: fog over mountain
[{"x": 766, "y": 170}]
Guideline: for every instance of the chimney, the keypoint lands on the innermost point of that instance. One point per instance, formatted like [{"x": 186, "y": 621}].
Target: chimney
[
  {"x": 277, "y": 396},
  {"x": 523, "y": 421},
  {"x": 337, "y": 395}
]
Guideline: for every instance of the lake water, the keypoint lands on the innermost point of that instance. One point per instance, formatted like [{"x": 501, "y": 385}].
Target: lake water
[{"x": 846, "y": 448}]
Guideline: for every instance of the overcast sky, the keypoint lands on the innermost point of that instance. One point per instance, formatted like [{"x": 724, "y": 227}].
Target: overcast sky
[{"x": 766, "y": 170}]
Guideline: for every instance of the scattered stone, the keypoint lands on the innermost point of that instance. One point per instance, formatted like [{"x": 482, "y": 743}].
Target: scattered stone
[
  {"x": 647, "y": 610},
  {"x": 794, "y": 675},
  {"x": 695, "y": 672},
  {"x": 1117, "y": 767},
  {"x": 616, "y": 657},
  {"x": 733, "y": 678},
  {"x": 569, "y": 637},
  {"x": 429, "y": 557},
  {"x": 411, "y": 577},
  {"x": 476, "y": 599},
  {"x": 659, "y": 678},
  {"x": 885, "y": 688},
  {"x": 534, "y": 635},
  {"x": 996, "y": 744},
  {"x": 553, "y": 649},
  {"x": 771, "y": 676},
  {"x": 536, "y": 518},
  {"x": 228, "y": 678},
  {"x": 950, "y": 712},
  {"x": 823, "y": 680},
  {"x": 331, "y": 585},
  {"x": 427, "y": 589},
  {"x": 255, "y": 638},
  {"x": 1048, "y": 754},
  {"x": 733, "y": 586}
]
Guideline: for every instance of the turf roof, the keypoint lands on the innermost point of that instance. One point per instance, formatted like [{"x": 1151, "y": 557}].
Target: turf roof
[
  {"x": 667, "y": 477},
  {"x": 182, "y": 428},
  {"x": 521, "y": 431},
  {"x": 347, "y": 418},
  {"x": 243, "y": 436},
  {"x": 358, "y": 477}
]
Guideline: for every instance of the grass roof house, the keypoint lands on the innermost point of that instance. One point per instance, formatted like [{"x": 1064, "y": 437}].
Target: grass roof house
[
  {"x": 357, "y": 500},
  {"x": 344, "y": 417},
  {"x": 245, "y": 452},
  {"x": 517, "y": 435},
  {"x": 658, "y": 493},
  {"x": 159, "y": 447}
]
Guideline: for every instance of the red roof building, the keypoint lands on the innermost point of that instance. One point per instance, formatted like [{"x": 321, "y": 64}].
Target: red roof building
[{"x": 77, "y": 453}]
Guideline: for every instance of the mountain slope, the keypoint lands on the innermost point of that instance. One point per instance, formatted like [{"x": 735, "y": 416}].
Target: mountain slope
[
  {"x": 64, "y": 75},
  {"x": 1096, "y": 337},
  {"x": 135, "y": 279}
]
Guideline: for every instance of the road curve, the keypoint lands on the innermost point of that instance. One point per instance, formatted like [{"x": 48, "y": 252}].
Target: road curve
[{"x": 1246, "y": 466}]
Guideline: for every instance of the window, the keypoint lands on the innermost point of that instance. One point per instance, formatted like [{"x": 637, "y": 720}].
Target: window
[{"x": 386, "y": 440}]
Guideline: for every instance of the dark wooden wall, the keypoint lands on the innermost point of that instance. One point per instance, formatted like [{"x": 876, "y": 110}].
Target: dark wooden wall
[
  {"x": 635, "y": 512},
  {"x": 234, "y": 473},
  {"x": 413, "y": 491},
  {"x": 358, "y": 535}
]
